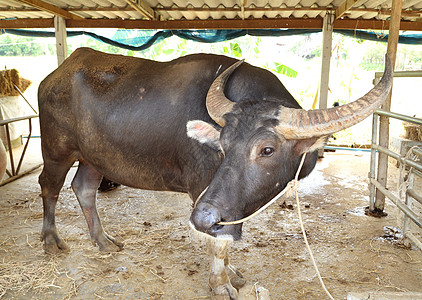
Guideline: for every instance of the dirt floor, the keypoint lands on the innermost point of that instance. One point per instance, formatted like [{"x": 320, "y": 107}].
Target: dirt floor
[{"x": 161, "y": 260}]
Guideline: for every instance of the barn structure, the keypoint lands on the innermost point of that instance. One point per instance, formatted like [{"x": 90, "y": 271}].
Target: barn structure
[{"x": 347, "y": 16}]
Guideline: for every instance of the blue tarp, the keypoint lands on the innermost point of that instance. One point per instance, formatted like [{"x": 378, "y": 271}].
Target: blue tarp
[{"x": 139, "y": 40}]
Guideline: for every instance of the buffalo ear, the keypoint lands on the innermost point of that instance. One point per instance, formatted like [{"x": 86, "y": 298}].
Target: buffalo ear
[
  {"x": 204, "y": 133},
  {"x": 310, "y": 145}
]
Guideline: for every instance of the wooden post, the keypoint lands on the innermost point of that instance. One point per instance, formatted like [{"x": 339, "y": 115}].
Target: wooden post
[
  {"x": 384, "y": 137},
  {"x": 327, "y": 40},
  {"x": 61, "y": 36}
]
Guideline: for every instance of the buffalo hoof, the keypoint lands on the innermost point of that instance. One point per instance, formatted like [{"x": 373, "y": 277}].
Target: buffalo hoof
[
  {"x": 224, "y": 292},
  {"x": 236, "y": 278},
  {"x": 53, "y": 244},
  {"x": 107, "y": 243},
  {"x": 377, "y": 213}
]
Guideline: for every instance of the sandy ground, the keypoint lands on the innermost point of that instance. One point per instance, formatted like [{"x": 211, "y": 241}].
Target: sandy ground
[{"x": 354, "y": 252}]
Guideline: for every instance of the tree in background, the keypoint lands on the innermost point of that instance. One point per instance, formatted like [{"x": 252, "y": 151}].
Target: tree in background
[{"x": 13, "y": 45}]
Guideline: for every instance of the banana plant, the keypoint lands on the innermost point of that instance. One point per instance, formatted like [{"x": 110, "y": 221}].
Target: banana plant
[{"x": 281, "y": 69}]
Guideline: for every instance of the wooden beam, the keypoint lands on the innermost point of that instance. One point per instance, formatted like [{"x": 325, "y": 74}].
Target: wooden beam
[
  {"x": 347, "y": 5},
  {"x": 142, "y": 7},
  {"x": 308, "y": 23},
  {"x": 27, "y": 23},
  {"x": 375, "y": 24},
  {"x": 201, "y": 24},
  {"x": 55, "y": 10}
]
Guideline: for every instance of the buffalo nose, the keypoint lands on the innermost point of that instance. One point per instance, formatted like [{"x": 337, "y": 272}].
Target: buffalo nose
[{"x": 205, "y": 218}]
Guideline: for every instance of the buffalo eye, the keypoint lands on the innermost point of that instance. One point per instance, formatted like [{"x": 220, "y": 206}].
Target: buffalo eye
[{"x": 267, "y": 151}]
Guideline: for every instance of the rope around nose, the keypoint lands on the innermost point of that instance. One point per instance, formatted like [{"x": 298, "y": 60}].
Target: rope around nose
[{"x": 291, "y": 187}]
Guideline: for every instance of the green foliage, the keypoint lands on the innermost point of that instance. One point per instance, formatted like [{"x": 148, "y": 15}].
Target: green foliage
[
  {"x": 247, "y": 46},
  {"x": 179, "y": 50},
  {"x": 283, "y": 70},
  {"x": 12, "y": 45},
  {"x": 233, "y": 50},
  {"x": 100, "y": 46},
  {"x": 373, "y": 59},
  {"x": 316, "y": 52},
  {"x": 258, "y": 41}
]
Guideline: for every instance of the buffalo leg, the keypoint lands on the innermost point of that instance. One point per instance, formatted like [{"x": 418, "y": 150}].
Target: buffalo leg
[
  {"x": 219, "y": 280},
  {"x": 236, "y": 278},
  {"x": 51, "y": 180},
  {"x": 85, "y": 185}
]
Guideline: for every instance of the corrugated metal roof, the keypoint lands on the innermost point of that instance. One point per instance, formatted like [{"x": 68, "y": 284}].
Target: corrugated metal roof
[{"x": 30, "y": 11}]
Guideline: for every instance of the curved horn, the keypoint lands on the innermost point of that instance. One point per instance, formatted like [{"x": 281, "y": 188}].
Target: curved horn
[
  {"x": 217, "y": 103},
  {"x": 302, "y": 124}
]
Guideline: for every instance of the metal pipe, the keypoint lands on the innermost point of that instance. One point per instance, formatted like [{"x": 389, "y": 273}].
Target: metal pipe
[
  {"x": 398, "y": 157},
  {"x": 4, "y": 122},
  {"x": 373, "y": 163},
  {"x": 412, "y": 193},
  {"x": 417, "y": 151},
  {"x": 25, "y": 147},
  {"x": 13, "y": 178},
  {"x": 398, "y": 116},
  {"x": 346, "y": 148},
  {"x": 401, "y": 74},
  {"x": 413, "y": 239},
  {"x": 9, "y": 144},
  {"x": 409, "y": 203},
  {"x": 397, "y": 202}
]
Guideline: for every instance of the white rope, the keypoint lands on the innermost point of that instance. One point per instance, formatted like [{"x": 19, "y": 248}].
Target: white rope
[
  {"x": 306, "y": 241},
  {"x": 402, "y": 187},
  {"x": 293, "y": 185}
]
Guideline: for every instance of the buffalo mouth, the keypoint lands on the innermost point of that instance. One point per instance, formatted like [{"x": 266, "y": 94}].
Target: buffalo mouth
[
  {"x": 205, "y": 219},
  {"x": 220, "y": 232}
]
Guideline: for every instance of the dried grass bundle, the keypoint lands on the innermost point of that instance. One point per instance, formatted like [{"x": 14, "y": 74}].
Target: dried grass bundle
[
  {"x": 8, "y": 80},
  {"x": 413, "y": 131}
]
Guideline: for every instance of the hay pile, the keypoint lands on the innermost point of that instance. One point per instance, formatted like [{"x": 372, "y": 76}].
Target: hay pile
[
  {"x": 8, "y": 80},
  {"x": 413, "y": 131}
]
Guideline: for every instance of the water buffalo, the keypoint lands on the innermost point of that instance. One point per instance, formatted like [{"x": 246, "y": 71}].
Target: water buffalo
[{"x": 227, "y": 133}]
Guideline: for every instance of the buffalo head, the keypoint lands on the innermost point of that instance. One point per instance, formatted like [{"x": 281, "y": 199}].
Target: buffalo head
[{"x": 262, "y": 143}]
